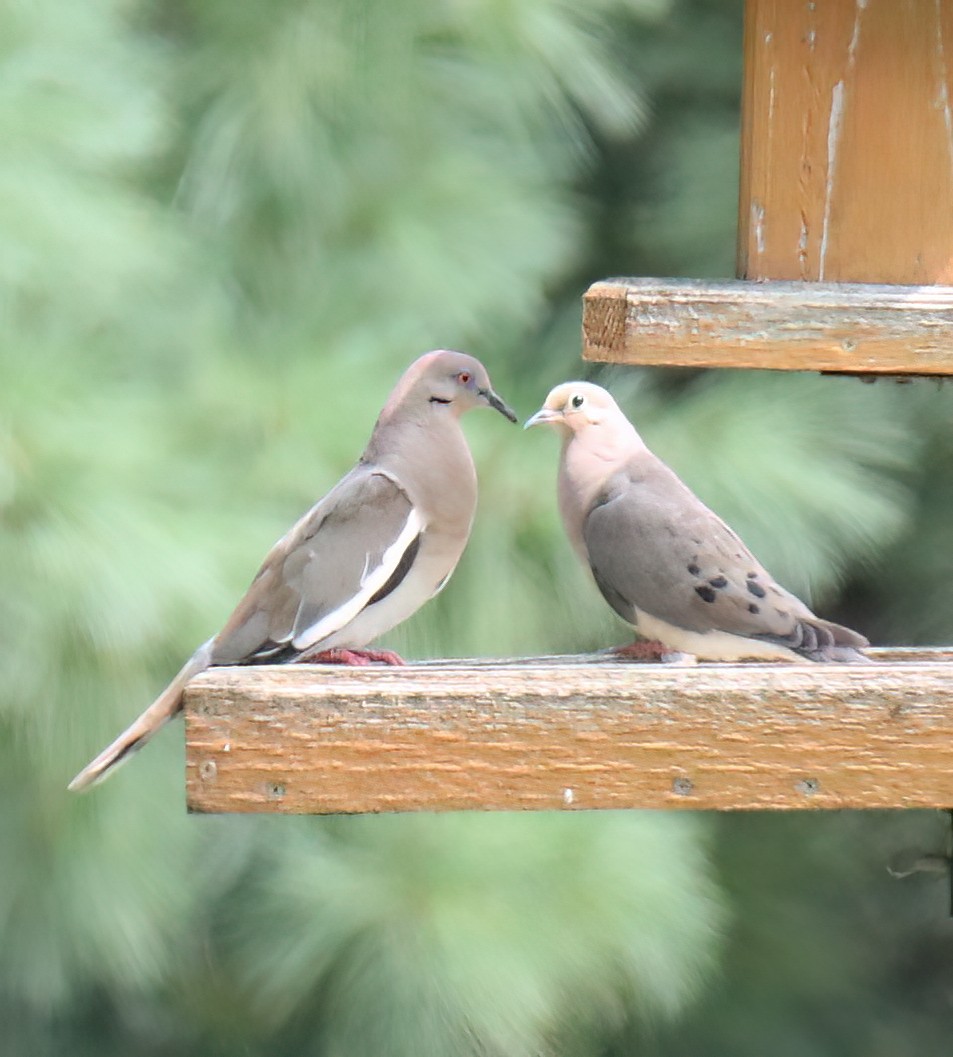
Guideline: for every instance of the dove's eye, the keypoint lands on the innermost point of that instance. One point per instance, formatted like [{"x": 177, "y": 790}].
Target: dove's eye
[{"x": 577, "y": 400}]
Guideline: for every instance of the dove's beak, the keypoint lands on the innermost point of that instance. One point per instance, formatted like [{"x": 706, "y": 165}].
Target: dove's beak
[
  {"x": 498, "y": 405},
  {"x": 542, "y": 416}
]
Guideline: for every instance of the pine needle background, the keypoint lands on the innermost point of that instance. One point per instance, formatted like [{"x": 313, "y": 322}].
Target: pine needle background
[{"x": 225, "y": 227}]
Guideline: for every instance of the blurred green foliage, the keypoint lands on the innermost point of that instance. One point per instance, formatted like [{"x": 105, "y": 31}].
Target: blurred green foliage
[{"x": 225, "y": 227}]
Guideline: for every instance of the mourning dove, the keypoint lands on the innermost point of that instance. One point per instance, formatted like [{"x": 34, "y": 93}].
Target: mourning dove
[
  {"x": 666, "y": 563},
  {"x": 382, "y": 542}
]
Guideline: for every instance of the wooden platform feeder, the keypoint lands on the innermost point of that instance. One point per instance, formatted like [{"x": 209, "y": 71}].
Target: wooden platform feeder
[
  {"x": 845, "y": 235},
  {"x": 845, "y": 222}
]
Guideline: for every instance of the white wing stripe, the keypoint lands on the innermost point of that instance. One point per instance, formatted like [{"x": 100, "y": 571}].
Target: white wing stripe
[
  {"x": 366, "y": 569},
  {"x": 370, "y": 584}
]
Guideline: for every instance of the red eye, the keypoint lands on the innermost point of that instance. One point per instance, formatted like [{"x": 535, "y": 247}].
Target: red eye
[{"x": 463, "y": 377}]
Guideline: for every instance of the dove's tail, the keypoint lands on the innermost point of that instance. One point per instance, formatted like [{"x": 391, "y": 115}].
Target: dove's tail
[
  {"x": 165, "y": 706},
  {"x": 822, "y": 640}
]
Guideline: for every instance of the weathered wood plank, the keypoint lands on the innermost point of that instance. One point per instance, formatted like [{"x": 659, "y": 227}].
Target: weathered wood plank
[
  {"x": 858, "y": 328},
  {"x": 572, "y": 733},
  {"x": 847, "y": 141}
]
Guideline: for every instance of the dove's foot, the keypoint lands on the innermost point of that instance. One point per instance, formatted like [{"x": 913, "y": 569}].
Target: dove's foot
[
  {"x": 652, "y": 650},
  {"x": 354, "y": 658}
]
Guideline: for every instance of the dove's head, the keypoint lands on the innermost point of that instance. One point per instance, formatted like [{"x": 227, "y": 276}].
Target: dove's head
[
  {"x": 445, "y": 381},
  {"x": 578, "y": 409}
]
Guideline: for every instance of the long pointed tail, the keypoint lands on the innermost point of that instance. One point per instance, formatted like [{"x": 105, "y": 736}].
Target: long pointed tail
[{"x": 165, "y": 706}]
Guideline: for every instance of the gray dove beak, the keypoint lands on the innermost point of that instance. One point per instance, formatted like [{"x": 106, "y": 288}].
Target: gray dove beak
[
  {"x": 497, "y": 404},
  {"x": 542, "y": 416}
]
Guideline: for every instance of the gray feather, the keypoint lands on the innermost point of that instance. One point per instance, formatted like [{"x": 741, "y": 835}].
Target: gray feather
[{"x": 653, "y": 545}]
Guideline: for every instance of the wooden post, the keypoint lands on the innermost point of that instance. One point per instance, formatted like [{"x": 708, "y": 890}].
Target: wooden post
[
  {"x": 847, "y": 141},
  {"x": 846, "y": 180}
]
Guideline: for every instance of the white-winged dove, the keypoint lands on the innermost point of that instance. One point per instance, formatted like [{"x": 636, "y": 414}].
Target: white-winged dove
[
  {"x": 667, "y": 564},
  {"x": 382, "y": 542}
]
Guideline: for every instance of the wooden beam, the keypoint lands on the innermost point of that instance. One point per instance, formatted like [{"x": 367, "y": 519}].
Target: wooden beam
[
  {"x": 856, "y": 328},
  {"x": 847, "y": 141},
  {"x": 582, "y": 732}
]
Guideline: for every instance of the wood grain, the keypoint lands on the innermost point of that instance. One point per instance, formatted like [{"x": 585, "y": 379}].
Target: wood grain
[
  {"x": 572, "y": 733},
  {"x": 857, "y": 328},
  {"x": 847, "y": 141}
]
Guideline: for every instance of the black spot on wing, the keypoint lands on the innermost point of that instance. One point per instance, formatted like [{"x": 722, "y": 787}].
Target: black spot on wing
[{"x": 402, "y": 569}]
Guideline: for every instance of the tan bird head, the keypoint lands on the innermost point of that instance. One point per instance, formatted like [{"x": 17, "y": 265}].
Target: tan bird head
[
  {"x": 446, "y": 380},
  {"x": 575, "y": 407}
]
